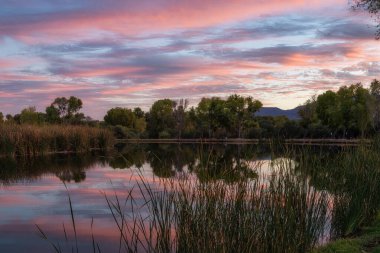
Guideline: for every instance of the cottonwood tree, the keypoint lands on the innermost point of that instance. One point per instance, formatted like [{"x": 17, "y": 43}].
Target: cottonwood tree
[
  {"x": 180, "y": 115},
  {"x": 161, "y": 121},
  {"x": 120, "y": 116},
  {"x": 348, "y": 110},
  {"x": 240, "y": 112},
  {"x": 65, "y": 109}
]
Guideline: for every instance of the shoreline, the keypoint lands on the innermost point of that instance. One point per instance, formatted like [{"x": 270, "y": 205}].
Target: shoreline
[
  {"x": 344, "y": 142},
  {"x": 366, "y": 240}
]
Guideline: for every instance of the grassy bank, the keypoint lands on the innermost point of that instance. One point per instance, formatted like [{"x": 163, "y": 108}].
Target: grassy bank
[
  {"x": 368, "y": 240},
  {"x": 29, "y": 140}
]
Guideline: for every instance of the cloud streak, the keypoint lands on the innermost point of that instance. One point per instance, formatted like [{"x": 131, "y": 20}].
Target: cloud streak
[{"x": 129, "y": 53}]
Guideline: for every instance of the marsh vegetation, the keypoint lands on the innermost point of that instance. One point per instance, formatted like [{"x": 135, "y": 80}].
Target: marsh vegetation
[{"x": 193, "y": 198}]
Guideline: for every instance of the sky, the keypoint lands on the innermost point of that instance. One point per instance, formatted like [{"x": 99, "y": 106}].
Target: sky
[{"x": 129, "y": 53}]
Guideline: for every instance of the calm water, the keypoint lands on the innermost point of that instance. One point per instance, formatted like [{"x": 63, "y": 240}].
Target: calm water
[{"x": 33, "y": 192}]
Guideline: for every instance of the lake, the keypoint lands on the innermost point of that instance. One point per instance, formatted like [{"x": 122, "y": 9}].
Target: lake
[{"x": 293, "y": 195}]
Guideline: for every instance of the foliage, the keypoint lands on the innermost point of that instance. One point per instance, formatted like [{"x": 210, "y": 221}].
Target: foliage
[
  {"x": 352, "y": 111},
  {"x": 367, "y": 241},
  {"x": 31, "y": 116},
  {"x": 64, "y": 110},
  {"x": 120, "y": 116},
  {"x": 240, "y": 112},
  {"x": 375, "y": 93},
  {"x": 161, "y": 118},
  {"x": 373, "y": 8}
]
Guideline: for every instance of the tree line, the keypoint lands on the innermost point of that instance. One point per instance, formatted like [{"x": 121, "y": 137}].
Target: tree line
[
  {"x": 61, "y": 111},
  {"x": 350, "y": 112}
]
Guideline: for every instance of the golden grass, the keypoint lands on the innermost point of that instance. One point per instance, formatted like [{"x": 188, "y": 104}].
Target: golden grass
[{"x": 31, "y": 140}]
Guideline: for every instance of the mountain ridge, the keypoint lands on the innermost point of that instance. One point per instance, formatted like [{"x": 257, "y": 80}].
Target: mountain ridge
[{"x": 275, "y": 111}]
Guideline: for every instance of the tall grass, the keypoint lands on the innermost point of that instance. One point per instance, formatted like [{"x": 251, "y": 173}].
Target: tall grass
[
  {"x": 29, "y": 140},
  {"x": 302, "y": 202},
  {"x": 352, "y": 177},
  {"x": 281, "y": 213}
]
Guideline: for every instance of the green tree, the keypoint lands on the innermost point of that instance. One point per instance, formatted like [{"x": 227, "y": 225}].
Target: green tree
[
  {"x": 356, "y": 107},
  {"x": 328, "y": 110},
  {"x": 212, "y": 116},
  {"x": 1, "y": 117},
  {"x": 74, "y": 105},
  {"x": 139, "y": 113},
  {"x": 120, "y": 116},
  {"x": 347, "y": 112},
  {"x": 139, "y": 124},
  {"x": 161, "y": 121},
  {"x": 61, "y": 105},
  {"x": 180, "y": 115},
  {"x": 375, "y": 93},
  {"x": 308, "y": 112},
  {"x": 52, "y": 115},
  {"x": 31, "y": 116},
  {"x": 68, "y": 109},
  {"x": 240, "y": 111}
]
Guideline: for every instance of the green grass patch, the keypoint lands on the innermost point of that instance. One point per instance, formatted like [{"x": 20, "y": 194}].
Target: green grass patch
[{"x": 367, "y": 240}]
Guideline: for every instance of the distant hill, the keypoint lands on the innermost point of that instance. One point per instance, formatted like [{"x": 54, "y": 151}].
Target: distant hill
[{"x": 275, "y": 111}]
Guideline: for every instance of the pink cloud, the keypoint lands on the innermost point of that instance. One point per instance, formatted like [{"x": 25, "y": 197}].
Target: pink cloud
[{"x": 135, "y": 17}]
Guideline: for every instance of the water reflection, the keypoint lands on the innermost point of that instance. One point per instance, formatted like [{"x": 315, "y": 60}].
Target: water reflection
[
  {"x": 209, "y": 162},
  {"x": 32, "y": 191},
  {"x": 66, "y": 167}
]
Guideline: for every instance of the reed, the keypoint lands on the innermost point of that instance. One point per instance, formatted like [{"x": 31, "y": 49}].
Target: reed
[
  {"x": 31, "y": 141},
  {"x": 307, "y": 200},
  {"x": 277, "y": 214}
]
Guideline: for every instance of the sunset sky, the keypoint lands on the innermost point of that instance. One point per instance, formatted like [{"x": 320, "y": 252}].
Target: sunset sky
[{"x": 131, "y": 52}]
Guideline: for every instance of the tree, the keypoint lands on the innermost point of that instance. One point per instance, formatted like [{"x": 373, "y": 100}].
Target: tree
[
  {"x": 120, "y": 116},
  {"x": 60, "y": 104},
  {"x": 52, "y": 115},
  {"x": 372, "y": 7},
  {"x": 67, "y": 109},
  {"x": 74, "y": 105},
  {"x": 139, "y": 113},
  {"x": 375, "y": 93},
  {"x": 212, "y": 116},
  {"x": 308, "y": 112},
  {"x": 161, "y": 121},
  {"x": 31, "y": 116},
  {"x": 347, "y": 112},
  {"x": 356, "y": 107},
  {"x": 139, "y": 124},
  {"x": 180, "y": 115},
  {"x": 328, "y": 109},
  {"x": 1, "y": 117},
  {"x": 9, "y": 117},
  {"x": 240, "y": 111}
]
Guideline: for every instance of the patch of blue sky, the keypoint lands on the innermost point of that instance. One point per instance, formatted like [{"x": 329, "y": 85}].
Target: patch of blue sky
[{"x": 11, "y": 47}]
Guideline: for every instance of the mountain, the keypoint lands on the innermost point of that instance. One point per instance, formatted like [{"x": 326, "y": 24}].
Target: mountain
[{"x": 275, "y": 111}]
